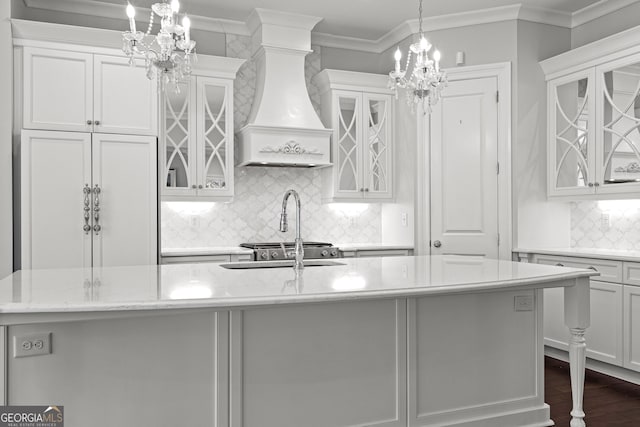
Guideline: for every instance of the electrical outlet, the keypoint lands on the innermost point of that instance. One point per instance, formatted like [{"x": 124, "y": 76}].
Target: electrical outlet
[
  {"x": 31, "y": 345},
  {"x": 405, "y": 219},
  {"x": 523, "y": 303},
  {"x": 605, "y": 221},
  {"x": 195, "y": 221}
]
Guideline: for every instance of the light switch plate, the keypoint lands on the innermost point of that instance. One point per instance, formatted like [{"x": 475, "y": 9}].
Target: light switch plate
[{"x": 32, "y": 344}]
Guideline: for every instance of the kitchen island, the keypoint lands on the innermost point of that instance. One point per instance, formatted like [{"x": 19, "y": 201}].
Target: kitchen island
[{"x": 402, "y": 341}]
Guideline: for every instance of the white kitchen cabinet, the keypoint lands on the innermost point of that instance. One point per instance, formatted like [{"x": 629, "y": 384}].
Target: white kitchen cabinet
[
  {"x": 594, "y": 120},
  {"x": 632, "y": 327},
  {"x": 196, "y": 151},
  {"x": 87, "y": 199},
  {"x": 79, "y": 91},
  {"x": 359, "y": 109}
]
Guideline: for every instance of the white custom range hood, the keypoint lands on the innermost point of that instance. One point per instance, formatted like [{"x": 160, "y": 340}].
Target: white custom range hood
[{"x": 283, "y": 128}]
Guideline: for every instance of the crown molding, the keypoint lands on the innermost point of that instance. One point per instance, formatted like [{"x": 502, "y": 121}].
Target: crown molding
[
  {"x": 385, "y": 42},
  {"x": 598, "y": 10},
  {"x": 115, "y": 11}
]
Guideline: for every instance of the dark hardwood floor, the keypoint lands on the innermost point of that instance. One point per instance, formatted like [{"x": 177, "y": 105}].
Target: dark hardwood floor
[{"x": 608, "y": 401}]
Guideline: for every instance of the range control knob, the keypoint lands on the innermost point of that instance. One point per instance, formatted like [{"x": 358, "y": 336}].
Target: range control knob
[
  {"x": 324, "y": 252},
  {"x": 334, "y": 252},
  {"x": 274, "y": 254},
  {"x": 264, "y": 255}
]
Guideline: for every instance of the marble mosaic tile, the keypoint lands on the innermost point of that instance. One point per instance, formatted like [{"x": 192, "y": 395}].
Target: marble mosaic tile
[{"x": 590, "y": 230}]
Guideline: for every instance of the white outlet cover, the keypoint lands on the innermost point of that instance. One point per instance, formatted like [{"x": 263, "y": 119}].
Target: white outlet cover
[{"x": 31, "y": 345}]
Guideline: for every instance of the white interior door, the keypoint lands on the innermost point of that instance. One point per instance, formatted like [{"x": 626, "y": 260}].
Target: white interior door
[
  {"x": 124, "y": 169},
  {"x": 55, "y": 168},
  {"x": 464, "y": 169}
]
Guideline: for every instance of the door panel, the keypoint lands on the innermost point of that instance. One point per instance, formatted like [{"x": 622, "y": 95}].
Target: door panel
[
  {"x": 116, "y": 80},
  {"x": 55, "y": 168},
  {"x": 464, "y": 178},
  {"x": 124, "y": 168}
]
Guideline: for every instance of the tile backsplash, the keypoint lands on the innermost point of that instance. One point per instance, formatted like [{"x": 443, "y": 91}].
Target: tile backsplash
[
  {"x": 254, "y": 213},
  {"x": 606, "y": 224}
]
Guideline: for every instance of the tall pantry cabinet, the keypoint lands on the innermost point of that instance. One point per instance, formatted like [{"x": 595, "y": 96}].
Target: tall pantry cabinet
[{"x": 88, "y": 157}]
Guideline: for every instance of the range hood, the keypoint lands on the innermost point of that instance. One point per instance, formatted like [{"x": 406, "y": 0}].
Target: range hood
[{"x": 283, "y": 128}]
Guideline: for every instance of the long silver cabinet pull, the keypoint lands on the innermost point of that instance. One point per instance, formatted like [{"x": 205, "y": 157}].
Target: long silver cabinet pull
[
  {"x": 96, "y": 210},
  {"x": 87, "y": 208}
]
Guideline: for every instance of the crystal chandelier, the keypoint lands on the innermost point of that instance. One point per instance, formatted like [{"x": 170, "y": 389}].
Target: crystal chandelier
[
  {"x": 425, "y": 83},
  {"x": 161, "y": 51}
]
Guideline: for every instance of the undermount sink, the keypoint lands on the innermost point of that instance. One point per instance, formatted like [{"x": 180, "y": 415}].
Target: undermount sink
[{"x": 278, "y": 264}]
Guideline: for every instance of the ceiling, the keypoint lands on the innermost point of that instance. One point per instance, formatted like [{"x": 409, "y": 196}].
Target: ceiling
[{"x": 363, "y": 19}]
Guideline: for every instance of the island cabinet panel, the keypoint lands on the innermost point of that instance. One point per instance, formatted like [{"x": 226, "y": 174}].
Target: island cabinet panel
[
  {"x": 475, "y": 360},
  {"x": 336, "y": 364},
  {"x": 161, "y": 371}
]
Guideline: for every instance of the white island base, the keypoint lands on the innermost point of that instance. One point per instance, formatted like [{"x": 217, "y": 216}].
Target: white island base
[{"x": 456, "y": 355}]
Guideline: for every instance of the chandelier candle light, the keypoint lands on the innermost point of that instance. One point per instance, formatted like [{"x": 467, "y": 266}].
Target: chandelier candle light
[
  {"x": 161, "y": 51},
  {"x": 425, "y": 83}
]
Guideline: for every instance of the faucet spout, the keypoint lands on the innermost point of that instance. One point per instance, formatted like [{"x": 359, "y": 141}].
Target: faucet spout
[{"x": 298, "y": 251}]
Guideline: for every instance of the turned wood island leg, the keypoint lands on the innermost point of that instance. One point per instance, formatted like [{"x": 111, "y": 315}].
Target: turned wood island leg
[{"x": 576, "y": 318}]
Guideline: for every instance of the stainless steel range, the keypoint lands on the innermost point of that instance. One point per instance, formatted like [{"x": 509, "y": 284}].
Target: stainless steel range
[{"x": 276, "y": 250}]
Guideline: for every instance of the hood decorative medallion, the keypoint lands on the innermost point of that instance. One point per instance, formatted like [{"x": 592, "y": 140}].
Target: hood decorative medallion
[{"x": 282, "y": 115}]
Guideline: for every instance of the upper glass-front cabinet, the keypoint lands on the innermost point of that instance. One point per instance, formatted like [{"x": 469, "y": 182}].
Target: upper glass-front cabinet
[
  {"x": 594, "y": 129},
  {"x": 359, "y": 109},
  {"x": 198, "y": 140},
  {"x": 619, "y": 152},
  {"x": 570, "y": 156}
]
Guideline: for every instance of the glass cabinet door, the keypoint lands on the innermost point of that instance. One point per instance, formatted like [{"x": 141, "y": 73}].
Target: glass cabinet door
[
  {"x": 377, "y": 139},
  {"x": 178, "y": 123},
  {"x": 347, "y": 158},
  {"x": 215, "y": 137},
  {"x": 571, "y": 135},
  {"x": 618, "y": 155}
]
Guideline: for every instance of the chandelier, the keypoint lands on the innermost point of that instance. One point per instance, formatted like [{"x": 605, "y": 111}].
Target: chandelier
[
  {"x": 425, "y": 83},
  {"x": 170, "y": 52}
]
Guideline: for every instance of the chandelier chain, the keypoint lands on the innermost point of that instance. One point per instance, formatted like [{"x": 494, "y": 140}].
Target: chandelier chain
[{"x": 420, "y": 17}]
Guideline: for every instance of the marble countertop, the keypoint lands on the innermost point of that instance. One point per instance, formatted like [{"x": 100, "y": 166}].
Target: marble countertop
[
  {"x": 209, "y": 285},
  {"x": 369, "y": 246},
  {"x": 236, "y": 250},
  {"x": 209, "y": 250},
  {"x": 610, "y": 254}
]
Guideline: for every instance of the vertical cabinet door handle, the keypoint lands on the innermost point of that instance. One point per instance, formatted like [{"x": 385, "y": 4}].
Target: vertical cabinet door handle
[
  {"x": 87, "y": 208},
  {"x": 96, "y": 210}
]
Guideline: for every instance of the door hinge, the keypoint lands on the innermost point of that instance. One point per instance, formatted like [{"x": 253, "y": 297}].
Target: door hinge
[
  {"x": 497, "y": 96},
  {"x": 498, "y": 168},
  {"x": 498, "y": 239}
]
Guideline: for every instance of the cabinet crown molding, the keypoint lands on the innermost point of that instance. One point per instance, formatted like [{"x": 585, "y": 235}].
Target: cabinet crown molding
[{"x": 329, "y": 79}]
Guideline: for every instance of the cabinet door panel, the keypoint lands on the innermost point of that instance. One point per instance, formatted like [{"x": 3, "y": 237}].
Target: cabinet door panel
[
  {"x": 215, "y": 137},
  {"x": 56, "y": 166},
  {"x": 126, "y": 101},
  {"x": 124, "y": 167},
  {"x": 604, "y": 335},
  {"x": 347, "y": 156},
  {"x": 571, "y": 137},
  {"x": 58, "y": 90},
  {"x": 618, "y": 155},
  {"x": 178, "y": 151},
  {"x": 632, "y": 327},
  {"x": 378, "y": 142}
]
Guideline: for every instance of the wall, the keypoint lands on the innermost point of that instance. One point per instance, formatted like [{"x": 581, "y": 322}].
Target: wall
[
  {"x": 590, "y": 230},
  {"x": 537, "y": 222},
  {"x": 613, "y": 23},
  {"x": 6, "y": 119},
  {"x": 253, "y": 215}
]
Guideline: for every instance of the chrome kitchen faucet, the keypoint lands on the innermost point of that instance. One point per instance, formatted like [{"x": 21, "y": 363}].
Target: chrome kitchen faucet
[{"x": 298, "y": 250}]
